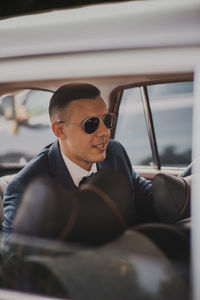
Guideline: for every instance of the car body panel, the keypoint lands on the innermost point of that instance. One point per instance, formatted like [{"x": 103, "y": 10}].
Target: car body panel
[
  {"x": 85, "y": 29},
  {"x": 111, "y": 46}
]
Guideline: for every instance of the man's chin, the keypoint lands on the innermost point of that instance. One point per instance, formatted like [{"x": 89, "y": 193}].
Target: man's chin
[{"x": 100, "y": 157}]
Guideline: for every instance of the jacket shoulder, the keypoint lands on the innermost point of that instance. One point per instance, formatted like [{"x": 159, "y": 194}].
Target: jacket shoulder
[
  {"x": 37, "y": 166},
  {"x": 115, "y": 148},
  {"x": 113, "y": 144}
]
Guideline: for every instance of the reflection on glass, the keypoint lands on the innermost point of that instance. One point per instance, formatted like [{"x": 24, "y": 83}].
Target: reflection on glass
[
  {"x": 131, "y": 127},
  {"x": 25, "y": 125},
  {"x": 171, "y": 105}
]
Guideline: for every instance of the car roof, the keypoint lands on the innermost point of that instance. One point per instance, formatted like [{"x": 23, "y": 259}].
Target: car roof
[{"x": 127, "y": 25}]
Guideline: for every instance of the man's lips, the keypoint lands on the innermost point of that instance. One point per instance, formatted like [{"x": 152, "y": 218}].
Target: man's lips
[{"x": 101, "y": 146}]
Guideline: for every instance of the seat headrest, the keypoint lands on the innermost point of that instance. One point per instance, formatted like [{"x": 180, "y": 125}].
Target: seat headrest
[
  {"x": 97, "y": 213},
  {"x": 171, "y": 197}
]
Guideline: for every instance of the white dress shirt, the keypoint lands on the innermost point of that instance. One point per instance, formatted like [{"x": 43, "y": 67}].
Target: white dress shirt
[{"x": 76, "y": 172}]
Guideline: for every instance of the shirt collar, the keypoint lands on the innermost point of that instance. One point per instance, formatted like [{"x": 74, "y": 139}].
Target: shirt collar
[{"x": 76, "y": 172}]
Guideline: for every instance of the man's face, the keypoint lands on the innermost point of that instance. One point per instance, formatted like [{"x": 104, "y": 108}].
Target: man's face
[{"x": 80, "y": 147}]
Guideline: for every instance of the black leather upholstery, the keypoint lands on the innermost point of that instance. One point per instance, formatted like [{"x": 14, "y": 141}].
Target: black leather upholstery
[
  {"x": 171, "y": 198},
  {"x": 97, "y": 213},
  {"x": 129, "y": 267}
]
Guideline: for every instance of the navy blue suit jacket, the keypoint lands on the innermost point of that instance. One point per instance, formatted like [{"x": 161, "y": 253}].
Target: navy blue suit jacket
[{"x": 50, "y": 162}]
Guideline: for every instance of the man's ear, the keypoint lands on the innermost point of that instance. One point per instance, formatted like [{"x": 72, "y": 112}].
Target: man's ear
[{"x": 59, "y": 130}]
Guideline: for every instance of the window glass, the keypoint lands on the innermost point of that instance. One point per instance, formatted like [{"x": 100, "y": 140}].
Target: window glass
[
  {"x": 25, "y": 125},
  {"x": 131, "y": 127},
  {"x": 171, "y": 106}
]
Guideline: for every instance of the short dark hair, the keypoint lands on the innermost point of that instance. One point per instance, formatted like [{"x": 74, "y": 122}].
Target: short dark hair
[{"x": 69, "y": 92}]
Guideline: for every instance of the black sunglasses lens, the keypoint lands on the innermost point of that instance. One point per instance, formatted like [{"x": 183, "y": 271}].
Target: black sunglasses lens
[
  {"x": 109, "y": 120},
  {"x": 91, "y": 125}
]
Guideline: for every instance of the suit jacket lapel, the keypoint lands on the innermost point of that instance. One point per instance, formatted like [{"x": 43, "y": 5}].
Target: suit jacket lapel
[
  {"x": 58, "y": 168},
  {"x": 99, "y": 166},
  {"x": 103, "y": 164}
]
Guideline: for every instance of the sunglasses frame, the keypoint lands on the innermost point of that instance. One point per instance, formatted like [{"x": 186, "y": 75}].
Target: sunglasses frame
[{"x": 82, "y": 124}]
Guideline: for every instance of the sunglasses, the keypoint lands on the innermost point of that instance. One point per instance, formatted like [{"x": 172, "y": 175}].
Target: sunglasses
[{"x": 91, "y": 124}]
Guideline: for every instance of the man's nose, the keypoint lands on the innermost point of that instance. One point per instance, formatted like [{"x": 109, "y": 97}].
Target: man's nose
[{"x": 102, "y": 129}]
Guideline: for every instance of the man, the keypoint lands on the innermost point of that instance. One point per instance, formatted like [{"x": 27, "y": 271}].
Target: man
[{"x": 82, "y": 125}]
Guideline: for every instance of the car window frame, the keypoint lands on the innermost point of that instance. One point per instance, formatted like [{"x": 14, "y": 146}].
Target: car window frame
[{"x": 114, "y": 104}]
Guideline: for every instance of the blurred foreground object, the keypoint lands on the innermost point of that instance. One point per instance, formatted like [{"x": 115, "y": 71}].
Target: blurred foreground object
[
  {"x": 171, "y": 196},
  {"x": 97, "y": 213}
]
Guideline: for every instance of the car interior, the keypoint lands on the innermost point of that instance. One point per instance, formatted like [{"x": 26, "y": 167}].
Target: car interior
[
  {"x": 143, "y": 58},
  {"x": 168, "y": 241}
]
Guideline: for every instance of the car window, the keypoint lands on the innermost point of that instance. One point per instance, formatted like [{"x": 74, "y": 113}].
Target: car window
[
  {"x": 171, "y": 108},
  {"x": 131, "y": 127},
  {"x": 25, "y": 125}
]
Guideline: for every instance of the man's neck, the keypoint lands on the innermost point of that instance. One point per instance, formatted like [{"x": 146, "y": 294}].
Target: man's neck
[{"x": 76, "y": 171}]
